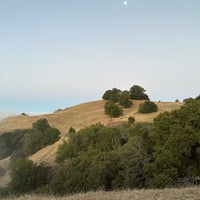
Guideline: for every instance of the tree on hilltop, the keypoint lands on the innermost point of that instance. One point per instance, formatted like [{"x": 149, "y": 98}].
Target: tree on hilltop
[
  {"x": 138, "y": 93},
  {"x": 124, "y": 100},
  {"x": 112, "y": 95},
  {"x": 148, "y": 107}
]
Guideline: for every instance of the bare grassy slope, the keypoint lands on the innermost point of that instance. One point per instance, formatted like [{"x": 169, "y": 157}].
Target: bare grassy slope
[
  {"x": 83, "y": 115},
  {"x": 192, "y": 193}
]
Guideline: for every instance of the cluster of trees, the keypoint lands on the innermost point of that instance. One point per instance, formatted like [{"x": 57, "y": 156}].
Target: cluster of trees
[
  {"x": 164, "y": 153},
  {"x": 112, "y": 109},
  {"x": 176, "y": 138},
  {"x": 118, "y": 99},
  {"x": 136, "y": 92},
  {"x": 148, "y": 107},
  {"x": 22, "y": 143},
  {"x": 27, "y": 176},
  {"x": 102, "y": 157}
]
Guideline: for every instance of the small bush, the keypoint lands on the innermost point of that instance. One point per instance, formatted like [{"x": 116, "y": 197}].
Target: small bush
[
  {"x": 131, "y": 120},
  {"x": 148, "y": 107},
  {"x": 113, "y": 109},
  {"x": 124, "y": 100}
]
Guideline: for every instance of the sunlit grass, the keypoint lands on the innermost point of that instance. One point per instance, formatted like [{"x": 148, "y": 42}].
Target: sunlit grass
[{"x": 192, "y": 193}]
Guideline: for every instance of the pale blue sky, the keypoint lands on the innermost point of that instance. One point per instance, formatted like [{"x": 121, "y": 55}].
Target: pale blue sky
[{"x": 58, "y": 53}]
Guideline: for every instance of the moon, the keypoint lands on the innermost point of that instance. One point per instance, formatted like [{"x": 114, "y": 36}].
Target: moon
[{"x": 125, "y": 3}]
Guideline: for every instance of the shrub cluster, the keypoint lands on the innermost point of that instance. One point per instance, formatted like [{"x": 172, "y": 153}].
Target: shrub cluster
[
  {"x": 123, "y": 98},
  {"x": 113, "y": 109},
  {"x": 22, "y": 143},
  {"x": 136, "y": 92},
  {"x": 96, "y": 158},
  {"x": 148, "y": 107}
]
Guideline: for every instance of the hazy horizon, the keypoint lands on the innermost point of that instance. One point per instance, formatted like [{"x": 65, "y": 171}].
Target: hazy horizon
[{"x": 55, "y": 54}]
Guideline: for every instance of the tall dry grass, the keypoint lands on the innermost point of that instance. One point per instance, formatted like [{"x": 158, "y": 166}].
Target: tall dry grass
[{"x": 192, "y": 193}]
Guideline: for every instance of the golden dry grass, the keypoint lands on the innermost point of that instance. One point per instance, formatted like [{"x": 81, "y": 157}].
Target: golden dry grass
[
  {"x": 192, "y": 193},
  {"x": 83, "y": 115}
]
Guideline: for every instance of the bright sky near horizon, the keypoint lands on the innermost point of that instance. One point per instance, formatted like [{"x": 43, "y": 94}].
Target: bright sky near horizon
[{"x": 58, "y": 53}]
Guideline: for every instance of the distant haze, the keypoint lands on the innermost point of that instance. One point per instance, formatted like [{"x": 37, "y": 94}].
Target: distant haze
[{"x": 4, "y": 114}]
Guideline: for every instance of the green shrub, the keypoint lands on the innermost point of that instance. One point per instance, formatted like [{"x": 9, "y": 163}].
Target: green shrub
[
  {"x": 131, "y": 120},
  {"x": 27, "y": 176},
  {"x": 176, "y": 146},
  {"x": 113, "y": 109},
  {"x": 101, "y": 162},
  {"x": 112, "y": 95},
  {"x": 92, "y": 139},
  {"x": 138, "y": 93},
  {"x": 10, "y": 142},
  {"x": 124, "y": 100},
  {"x": 148, "y": 107},
  {"x": 41, "y": 125},
  {"x": 22, "y": 143}
]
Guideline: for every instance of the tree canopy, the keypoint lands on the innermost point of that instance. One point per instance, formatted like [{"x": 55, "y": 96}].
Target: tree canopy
[
  {"x": 113, "y": 109},
  {"x": 138, "y": 93},
  {"x": 148, "y": 107},
  {"x": 22, "y": 143},
  {"x": 176, "y": 136}
]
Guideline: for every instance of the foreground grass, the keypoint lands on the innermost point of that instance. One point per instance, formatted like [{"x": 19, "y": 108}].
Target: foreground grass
[{"x": 192, "y": 193}]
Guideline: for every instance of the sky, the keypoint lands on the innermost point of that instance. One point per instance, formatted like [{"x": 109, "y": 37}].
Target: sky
[{"x": 58, "y": 53}]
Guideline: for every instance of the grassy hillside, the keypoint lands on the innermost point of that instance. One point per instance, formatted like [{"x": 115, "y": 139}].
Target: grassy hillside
[
  {"x": 83, "y": 115},
  {"x": 164, "y": 194},
  {"x": 77, "y": 117}
]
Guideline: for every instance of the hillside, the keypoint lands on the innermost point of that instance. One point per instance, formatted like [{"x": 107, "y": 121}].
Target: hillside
[
  {"x": 83, "y": 115},
  {"x": 78, "y": 117}
]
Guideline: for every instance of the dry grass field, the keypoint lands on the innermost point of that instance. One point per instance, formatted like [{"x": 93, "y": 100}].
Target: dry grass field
[
  {"x": 192, "y": 193},
  {"x": 83, "y": 115}
]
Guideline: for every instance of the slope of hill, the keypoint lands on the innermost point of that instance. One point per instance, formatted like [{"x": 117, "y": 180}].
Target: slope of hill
[
  {"x": 83, "y": 115},
  {"x": 78, "y": 117}
]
